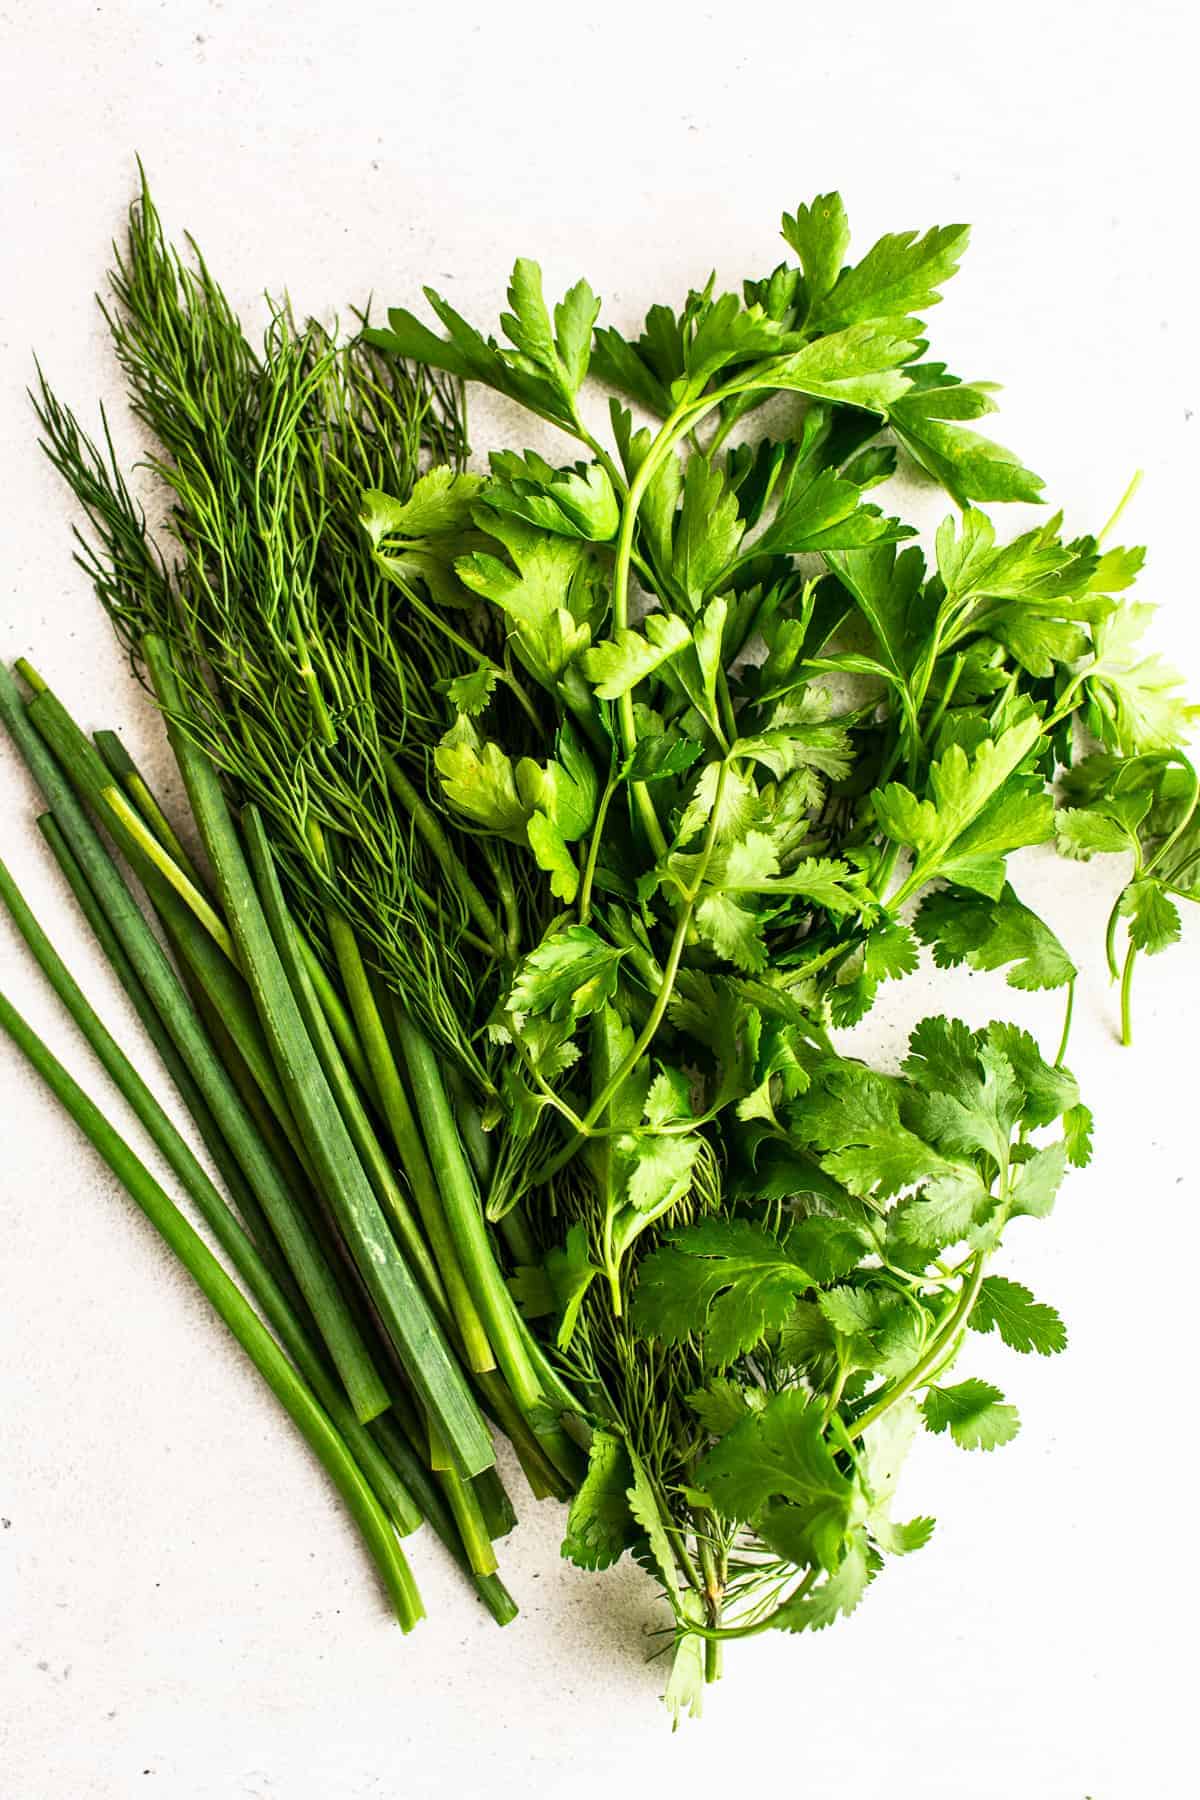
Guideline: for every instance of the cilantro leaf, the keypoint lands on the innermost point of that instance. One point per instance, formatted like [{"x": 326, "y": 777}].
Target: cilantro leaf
[
  {"x": 975, "y": 815},
  {"x": 1023, "y": 1323},
  {"x": 479, "y": 780},
  {"x": 780, "y": 1454},
  {"x": 549, "y": 590},
  {"x": 974, "y": 1413},
  {"x": 1154, "y": 921},
  {"x": 600, "y": 1525},
  {"x": 993, "y": 934},
  {"x": 835, "y": 1597},
  {"x": 725, "y": 1281},
  {"x": 860, "y": 366},
  {"x": 571, "y": 1273},
  {"x": 1134, "y": 702}
]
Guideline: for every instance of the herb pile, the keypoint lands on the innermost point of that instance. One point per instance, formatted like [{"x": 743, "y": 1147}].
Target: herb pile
[{"x": 553, "y": 822}]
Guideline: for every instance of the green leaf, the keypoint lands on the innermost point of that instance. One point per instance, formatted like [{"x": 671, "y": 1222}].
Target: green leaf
[
  {"x": 621, "y": 662},
  {"x": 708, "y": 532},
  {"x": 724, "y": 1403},
  {"x": 885, "y": 588},
  {"x": 974, "y": 1413},
  {"x": 861, "y": 366},
  {"x": 820, "y": 236},
  {"x": 440, "y": 504},
  {"x": 571, "y": 973},
  {"x": 780, "y": 1454},
  {"x": 684, "y": 1692},
  {"x": 900, "y": 274},
  {"x": 600, "y": 1525},
  {"x": 479, "y": 780},
  {"x": 549, "y": 847},
  {"x": 976, "y": 812},
  {"x": 1049, "y": 1090},
  {"x": 834, "y": 1598},
  {"x": 993, "y": 934},
  {"x": 1154, "y": 922},
  {"x": 1023, "y": 1323},
  {"x": 660, "y": 757},
  {"x": 571, "y": 1273},
  {"x": 548, "y": 589},
  {"x": 470, "y": 693},
  {"x": 575, "y": 502},
  {"x": 658, "y": 1170},
  {"x": 727, "y": 1281},
  {"x": 1134, "y": 700},
  {"x": 930, "y": 422},
  {"x": 645, "y": 1509},
  {"x": 1082, "y": 833},
  {"x": 1038, "y": 1181},
  {"x": 886, "y": 1445},
  {"x": 619, "y": 363},
  {"x": 826, "y": 515},
  {"x": 574, "y": 317}
]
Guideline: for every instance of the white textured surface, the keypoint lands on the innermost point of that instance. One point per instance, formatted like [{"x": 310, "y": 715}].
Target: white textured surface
[{"x": 185, "y": 1610}]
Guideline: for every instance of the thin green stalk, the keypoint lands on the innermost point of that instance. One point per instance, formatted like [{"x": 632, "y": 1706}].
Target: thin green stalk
[
  {"x": 467, "y": 1512},
  {"x": 396, "y": 1294},
  {"x": 85, "y": 768},
  {"x": 402, "y": 1125},
  {"x": 1127, "y": 996},
  {"x": 292, "y": 1231},
  {"x": 195, "y": 930},
  {"x": 122, "y": 768},
  {"x": 337, "y": 1016},
  {"x": 463, "y": 1213},
  {"x": 213, "y": 1208},
  {"x": 242, "y": 1194},
  {"x": 1063, "y": 1041},
  {"x": 287, "y": 941},
  {"x": 235, "y": 1312}
]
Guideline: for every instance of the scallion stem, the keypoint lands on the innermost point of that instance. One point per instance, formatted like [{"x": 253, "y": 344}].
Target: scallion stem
[
  {"x": 402, "y": 1306},
  {"x": 235, "y": 1312},
  {"x": 292, "y": 1231}
]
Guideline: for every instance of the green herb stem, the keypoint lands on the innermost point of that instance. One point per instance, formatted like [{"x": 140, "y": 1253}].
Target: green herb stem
[
  {"x": 403, "y": 1308},
  {"x": 213, "y": 1208},
  {"x": 292, "y": 1231},
  {"x": 235, "y": 1312}
]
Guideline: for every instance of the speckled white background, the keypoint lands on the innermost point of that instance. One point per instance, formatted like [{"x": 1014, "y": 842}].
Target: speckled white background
[{"x": 185, "y": 1611}]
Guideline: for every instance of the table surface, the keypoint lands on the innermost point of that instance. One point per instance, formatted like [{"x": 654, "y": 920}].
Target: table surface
[{"x": 185, "y": 1609}]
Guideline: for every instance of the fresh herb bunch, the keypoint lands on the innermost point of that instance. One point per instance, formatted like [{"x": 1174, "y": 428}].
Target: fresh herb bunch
[
  {"x": 612, "y": 790},
  {"x": 767, "y": 1256}
]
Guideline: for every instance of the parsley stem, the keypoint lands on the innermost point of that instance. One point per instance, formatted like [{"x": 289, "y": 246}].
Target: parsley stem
[
  {"x": 676, "y": 426},
  {"x": 1122, "y": 503},
  {"x": 589, "y": 870},
  {"x": 661, "y": 1000}
]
